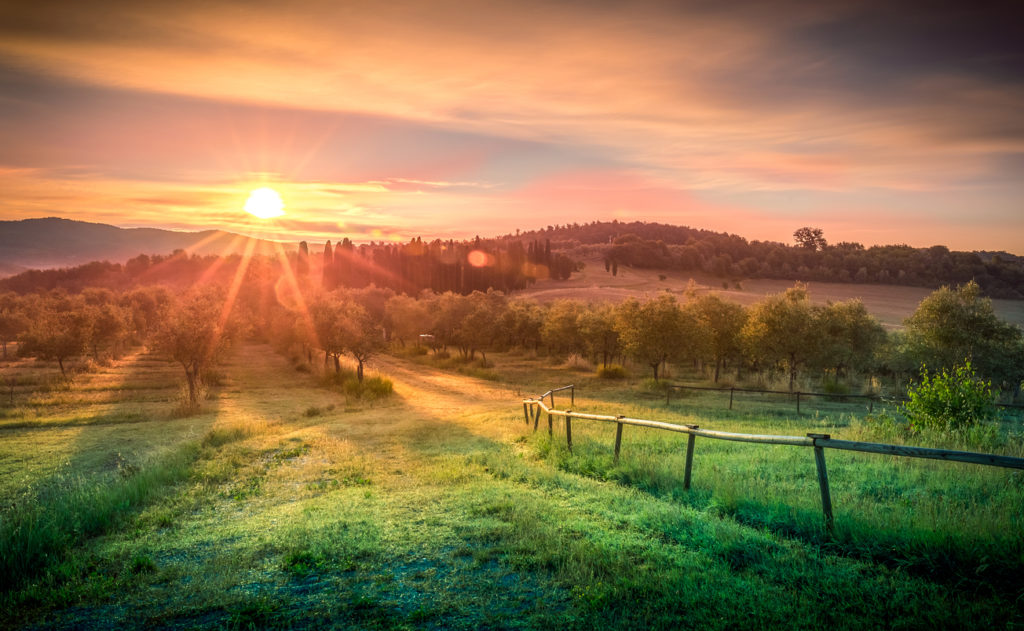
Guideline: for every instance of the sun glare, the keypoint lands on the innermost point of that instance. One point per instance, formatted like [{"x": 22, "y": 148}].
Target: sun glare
[{"x": 264, "y": 203}]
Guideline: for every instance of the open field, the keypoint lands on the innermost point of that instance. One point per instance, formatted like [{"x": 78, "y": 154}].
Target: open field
[
  {"x": 284, "y": 504},
  {"x": 891, "y": 304}
]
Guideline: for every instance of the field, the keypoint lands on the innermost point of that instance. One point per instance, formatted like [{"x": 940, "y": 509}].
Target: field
[
  {"x": 891, "y": 304},
  {"x": 285, "y": 504}
]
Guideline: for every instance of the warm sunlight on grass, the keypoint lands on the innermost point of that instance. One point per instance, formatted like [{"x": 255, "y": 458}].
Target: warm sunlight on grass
[{"x": 264, "y": 203}]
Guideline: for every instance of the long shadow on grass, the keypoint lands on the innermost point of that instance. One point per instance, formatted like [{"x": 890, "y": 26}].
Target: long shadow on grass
[
  {"x": 117, "y": 462},
  {"x": 937, "y": 556}
]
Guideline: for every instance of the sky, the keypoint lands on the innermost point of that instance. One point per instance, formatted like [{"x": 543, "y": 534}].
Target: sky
[{"x": 880, "y": 122}]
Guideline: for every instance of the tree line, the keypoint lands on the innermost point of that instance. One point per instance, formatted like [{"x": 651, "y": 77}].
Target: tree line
[
  {"x": 457, "y": 266},
  {"x": 783, "y": 334},
  {"x": 809, "y": 258},
  {"x": 440, "y": 266}
]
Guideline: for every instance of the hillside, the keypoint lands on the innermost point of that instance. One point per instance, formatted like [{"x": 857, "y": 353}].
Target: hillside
[
  {"x": 55, "y": 242},
  {"x": 728, "y": 256},
  {"x": 891, "y": 304}
]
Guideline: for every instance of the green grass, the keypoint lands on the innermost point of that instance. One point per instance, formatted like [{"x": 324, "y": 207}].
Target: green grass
[{"x": 283, "y": 507}]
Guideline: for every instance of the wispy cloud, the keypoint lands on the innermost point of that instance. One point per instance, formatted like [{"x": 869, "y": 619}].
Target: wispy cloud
[{"x": 382, "y": 105}]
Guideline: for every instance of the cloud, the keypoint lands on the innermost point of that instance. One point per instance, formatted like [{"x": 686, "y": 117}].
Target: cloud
[{"x": 473, "y": 107}]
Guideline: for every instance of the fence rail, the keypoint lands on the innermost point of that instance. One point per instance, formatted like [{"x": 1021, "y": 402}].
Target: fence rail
[
  {"x": 534, "y": 407},
  {"x": 872, "y": 398}
]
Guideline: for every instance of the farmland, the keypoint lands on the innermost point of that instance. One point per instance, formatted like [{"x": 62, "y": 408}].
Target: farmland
[
  {"x": 890, "y": 304},
  {"x": 284, "y": 503}
]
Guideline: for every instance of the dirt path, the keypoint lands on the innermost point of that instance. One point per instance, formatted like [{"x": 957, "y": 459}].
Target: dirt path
[{"x": 440, "y": 391}]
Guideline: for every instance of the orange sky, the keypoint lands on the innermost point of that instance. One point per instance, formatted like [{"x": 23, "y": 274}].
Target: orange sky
[{"x": 879, "y": 124}]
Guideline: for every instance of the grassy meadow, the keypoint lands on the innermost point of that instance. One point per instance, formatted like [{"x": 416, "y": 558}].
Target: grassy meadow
[{"x": 289, "y": 503}]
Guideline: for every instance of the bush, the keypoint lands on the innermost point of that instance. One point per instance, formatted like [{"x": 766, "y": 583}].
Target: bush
[
  {"x": 371, "y": 388},
  {"x": 834, "y": 386},
  {"x": 332, "y": 377},
  {"x": 212, "y": 377},
  {"x": 651, "y": 384},
  {"x": 949, "y": 401},
  {"x": 377, "y": 387},
  {"x": 612, "y": 371},
  {"x": 575, "y": 361}
]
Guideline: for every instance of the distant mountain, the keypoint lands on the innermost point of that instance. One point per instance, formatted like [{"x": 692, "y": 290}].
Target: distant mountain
[{"x": 54, "y": 242}]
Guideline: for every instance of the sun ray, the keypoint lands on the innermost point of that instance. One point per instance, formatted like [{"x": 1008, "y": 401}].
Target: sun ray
[
  {"x": 210, "y": 271},
  {"x": 236, "y": 284},
  {"x": 300, "y": 300}
]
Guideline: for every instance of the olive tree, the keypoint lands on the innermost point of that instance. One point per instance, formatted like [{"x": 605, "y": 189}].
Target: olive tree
[
  {"x": 597, "y": 328},
  {"x": 362, "y": 335},
  {"x": 193, "y": 332},
  {"x": 12, "y": 320},
  {"x": 57, "y": 329},
  {"x": 954, "y": 325},
  {"x": 650, "y": 332},
  {"x": 722, "y": 322},
  {"x": 782, "y": 329}
]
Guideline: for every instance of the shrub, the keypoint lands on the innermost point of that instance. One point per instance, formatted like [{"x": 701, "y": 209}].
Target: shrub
[
  {"x": 654, "y": 385},
  {"x": 949, "y": 401},
  {"x": 212, "y": 377},
  {"x": 612, "y": 371},
  {"x": 371, "y": 388},
  {"x": 575, "y": 361},
  {"x": 332, "y": 377},
  {"x": 883, "y": 427},
  {"x": 834, "y": 386},
  {"x": 377, "y": 387}
]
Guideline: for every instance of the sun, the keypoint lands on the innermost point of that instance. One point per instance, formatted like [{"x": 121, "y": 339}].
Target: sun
[{"x": 264, "y": 203}]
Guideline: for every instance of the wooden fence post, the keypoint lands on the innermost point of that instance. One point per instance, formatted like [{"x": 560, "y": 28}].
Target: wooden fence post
[
  {"x": 871, "y": 404},
  {"x": 572, "y": 396},
  {"x": 551, "y": 425},
  {"x": 536, "y": 417},
  {"x": 526, "y": 413},
  {"x": 691, "y": 439},
  {"x": 568, "y": 431},
  {"x": 798, "y": 403},
  {"x": 618, "y": 439},
  {"x": 826, "y": 496},
  {"x": 731, "y": 390}
]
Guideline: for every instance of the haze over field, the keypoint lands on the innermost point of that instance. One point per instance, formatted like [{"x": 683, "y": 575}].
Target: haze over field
[{"x": 880, "y": 122}]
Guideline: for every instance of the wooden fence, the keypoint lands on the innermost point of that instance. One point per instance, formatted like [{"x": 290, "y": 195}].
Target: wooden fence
[
  {"x": 533, "y": 408},
  {"x": 872, "y": 398}
]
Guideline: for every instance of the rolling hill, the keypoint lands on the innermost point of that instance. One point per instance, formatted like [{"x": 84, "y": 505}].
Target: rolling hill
[{"x": 54, "y": 242}]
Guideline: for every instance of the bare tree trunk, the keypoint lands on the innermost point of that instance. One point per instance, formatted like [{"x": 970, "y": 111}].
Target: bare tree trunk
[{"x": 193, "y": 388}]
